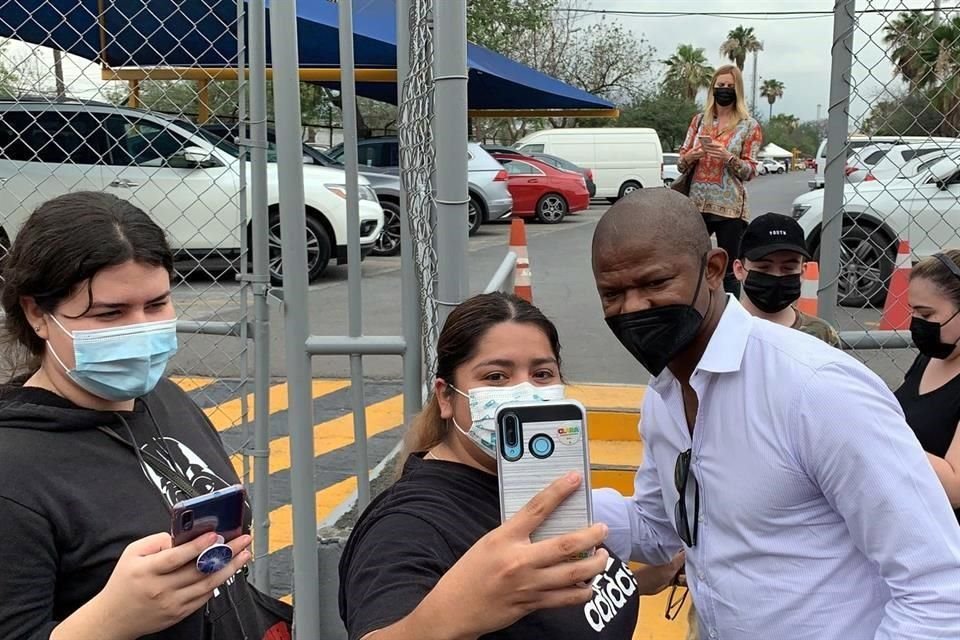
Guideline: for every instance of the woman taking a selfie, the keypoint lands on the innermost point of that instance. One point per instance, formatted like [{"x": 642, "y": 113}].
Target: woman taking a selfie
[
  {"x": 430, "y": 553},
  {"x": 97, "y": 445},
  {"x": 718, "y": 155}
]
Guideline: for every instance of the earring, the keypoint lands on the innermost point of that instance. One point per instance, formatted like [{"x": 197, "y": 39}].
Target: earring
[{"x": 37, "y": 328}]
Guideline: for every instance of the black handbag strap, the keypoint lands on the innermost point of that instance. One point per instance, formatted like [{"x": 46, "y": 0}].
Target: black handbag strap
[{"x": 160, "y": 466}]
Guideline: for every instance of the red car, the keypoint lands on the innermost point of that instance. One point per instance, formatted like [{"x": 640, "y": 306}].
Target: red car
[{"x": 543, "y": 191}]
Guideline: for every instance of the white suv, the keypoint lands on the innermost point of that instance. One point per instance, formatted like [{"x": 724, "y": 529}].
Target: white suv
[
  {"x": 921, "y": 204},
  {"x": 188, "y": 182}
]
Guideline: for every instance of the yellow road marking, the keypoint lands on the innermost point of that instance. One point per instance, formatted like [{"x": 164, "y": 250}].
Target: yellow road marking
[
  {"x": 337, "y": 433},
  {"x": 189, "y": 384},
  {"x": 608, "y": 396},
  {"x": 230, "y": 413},
  {"x": 281, "y": 518}
]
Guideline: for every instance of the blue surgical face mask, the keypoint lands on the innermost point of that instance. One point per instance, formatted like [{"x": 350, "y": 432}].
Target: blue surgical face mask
[{"x": 120, "y": 363}]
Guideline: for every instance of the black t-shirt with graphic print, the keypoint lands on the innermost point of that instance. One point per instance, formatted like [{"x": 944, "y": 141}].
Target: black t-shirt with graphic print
[
  {"x": 417, "y": 529},
  {"x": 72, "y": 498}
]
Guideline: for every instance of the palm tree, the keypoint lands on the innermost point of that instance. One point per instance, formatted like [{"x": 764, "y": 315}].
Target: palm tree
[
  {"x": 688, "y": 71},
  {"x": 772, "y": 90},
  {"x": 905, "y": 37},
  {"x": 740, "y": 42},
  {"x": 940, "y": 68}
]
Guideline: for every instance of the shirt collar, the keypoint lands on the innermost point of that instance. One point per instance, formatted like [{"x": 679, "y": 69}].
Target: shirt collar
[{"x": 725, "y": 350}]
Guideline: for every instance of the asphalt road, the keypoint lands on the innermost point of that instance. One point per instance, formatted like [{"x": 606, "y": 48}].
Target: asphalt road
[{"x": 562, "y": 284}]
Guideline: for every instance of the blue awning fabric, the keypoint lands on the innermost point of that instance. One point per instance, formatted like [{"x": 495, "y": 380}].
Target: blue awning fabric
[{"x": 202, "y": 34}]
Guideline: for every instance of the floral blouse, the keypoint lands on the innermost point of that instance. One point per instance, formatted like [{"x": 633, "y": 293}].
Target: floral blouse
[{"x": 717, "y": 187}]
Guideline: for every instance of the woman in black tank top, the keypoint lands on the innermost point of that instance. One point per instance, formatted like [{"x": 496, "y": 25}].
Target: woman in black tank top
[{"x": 930, "y": 394}]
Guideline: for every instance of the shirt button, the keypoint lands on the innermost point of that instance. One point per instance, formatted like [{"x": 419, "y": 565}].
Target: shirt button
[
  {"x": 701, "y": 575},
  {"x": 713, "y": 633}
]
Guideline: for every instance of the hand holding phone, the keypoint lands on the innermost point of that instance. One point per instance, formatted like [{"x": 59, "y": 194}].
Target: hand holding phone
[
  {"x": 705, "y": 140},
  {"x": 219, "y": 512}
]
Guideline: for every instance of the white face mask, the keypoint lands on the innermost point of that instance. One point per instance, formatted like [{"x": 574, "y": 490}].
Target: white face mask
[{"x": 484, "y": 402}]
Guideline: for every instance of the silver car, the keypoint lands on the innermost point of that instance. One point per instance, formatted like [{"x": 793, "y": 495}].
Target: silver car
[{"x": 486, "y": 178}]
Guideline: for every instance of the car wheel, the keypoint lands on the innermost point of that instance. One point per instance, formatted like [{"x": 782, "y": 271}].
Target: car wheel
[
  {"x": 867, "y": 258},
  {"x": 781, "y": 170},
  {"x": 474, "y": 215},
  {"x": 388, "y": 243},
  {"x": 318, "y": 249},
  {"x": 629, "y": 187},
  {"x": 667, "y": 182},
  {"x": 552, "y": 209}
]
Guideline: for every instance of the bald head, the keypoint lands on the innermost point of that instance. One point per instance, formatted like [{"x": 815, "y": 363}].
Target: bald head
[{"x": 660, "y": 217}]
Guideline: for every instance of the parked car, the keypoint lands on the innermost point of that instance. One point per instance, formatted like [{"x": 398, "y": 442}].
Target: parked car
[
  {"x": 922, "y": 208},
  {"x": 169, "y": 168},
  {"x": 499, "y": 148},
  {"x": 623, "y": 159},
  {"x": 545, "y": 192},
  {"x": 670, "y": 170},
  {"x": 854, "y": 143},
  {"x": 560, "y": 163},
  {"x": 384, "y": 183},
  {"x": 770, "y": 165},
  {"x": 487, "y": 183},
  {"x": 887, "y": 160}
]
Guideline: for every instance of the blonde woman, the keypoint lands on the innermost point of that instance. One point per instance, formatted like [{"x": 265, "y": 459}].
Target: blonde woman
[{"x": 720, "y": 150}]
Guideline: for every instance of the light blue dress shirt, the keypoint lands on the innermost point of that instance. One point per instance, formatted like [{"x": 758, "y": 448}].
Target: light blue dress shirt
[{"x": 820, "y": 516}]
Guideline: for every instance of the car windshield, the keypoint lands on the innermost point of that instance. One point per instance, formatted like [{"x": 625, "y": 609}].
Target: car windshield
[{"x": 223, "y": 142}]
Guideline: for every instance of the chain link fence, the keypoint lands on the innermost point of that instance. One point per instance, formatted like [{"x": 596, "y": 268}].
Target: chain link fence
[
  {"x": 890, "y": 167},
  {"x": 90, "y": 101},
  {"x": 415, "y": 133}
]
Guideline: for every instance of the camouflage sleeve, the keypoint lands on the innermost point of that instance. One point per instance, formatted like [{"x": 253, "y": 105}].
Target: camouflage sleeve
[{"x": 820, "y": 329}]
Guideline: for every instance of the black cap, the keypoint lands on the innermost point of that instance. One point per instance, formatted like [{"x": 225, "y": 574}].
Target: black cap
[{"x": 769, "y": 233}]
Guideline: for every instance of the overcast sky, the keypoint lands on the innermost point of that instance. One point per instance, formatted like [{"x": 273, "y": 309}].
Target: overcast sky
[{"x": 796, "y": 49}]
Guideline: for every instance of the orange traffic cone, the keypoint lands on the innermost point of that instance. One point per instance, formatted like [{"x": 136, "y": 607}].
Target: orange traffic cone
[
  {"x": 522, "y": 285},
  {"x": 809, "y": 289},
  {"x": 896, "y": 310}
]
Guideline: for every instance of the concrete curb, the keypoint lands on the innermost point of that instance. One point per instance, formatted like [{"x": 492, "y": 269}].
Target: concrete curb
[{"x": 343, "y": 508}]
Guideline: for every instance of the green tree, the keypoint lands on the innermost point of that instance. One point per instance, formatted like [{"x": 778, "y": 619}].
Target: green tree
[
  {"x": 500, "y": 24},
  {"x": 739, "y": 43},
  {"x": 787, "y": 131},
  {"x": 906, "y": 114},
  {"x": 904, "y": 37},
  {"x": 941, "y": 75},
  {"x": 772, "y": 90},
  {"x": 687, "y": 72},
  {"x": 668, "y": 113},
  {"x": 787, "y": 120}
]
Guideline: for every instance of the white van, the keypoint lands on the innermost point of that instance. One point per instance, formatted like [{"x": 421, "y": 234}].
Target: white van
[
  {"x": 623, "y": 160},
  {"x": 858, "y": 142}
]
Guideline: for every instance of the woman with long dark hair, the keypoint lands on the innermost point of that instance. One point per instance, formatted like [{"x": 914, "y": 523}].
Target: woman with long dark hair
[
  {"x": 431, "y": 553},
  {"x": 98, "y": 445}
]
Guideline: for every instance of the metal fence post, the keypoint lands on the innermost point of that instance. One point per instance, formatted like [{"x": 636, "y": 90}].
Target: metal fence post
[
  {"x": 409, "y": 307},
  {"x": 306, "y": 575},
  {"x": 450, "y": 68},
  {"x": 834, "y": 179},
  {"x": 256, "y": 23},
  {"x": 348, "y": 95}
]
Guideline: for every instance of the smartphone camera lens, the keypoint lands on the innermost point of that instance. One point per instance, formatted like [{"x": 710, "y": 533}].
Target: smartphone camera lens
[
  {"x": 186, "y": 521},
  {"x": 541, "y": 446},
  {"x": 511, "y": 431}
]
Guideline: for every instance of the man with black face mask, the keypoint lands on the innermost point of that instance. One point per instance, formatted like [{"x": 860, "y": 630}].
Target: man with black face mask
[
  {"x": 769, "y": 265},
  {"x": 783, "y": 466}
]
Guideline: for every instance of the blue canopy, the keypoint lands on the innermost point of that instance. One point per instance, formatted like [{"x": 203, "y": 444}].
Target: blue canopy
[{"x": 193, "y": 33}]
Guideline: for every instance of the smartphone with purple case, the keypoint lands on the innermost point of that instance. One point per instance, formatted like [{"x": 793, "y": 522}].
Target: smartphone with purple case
[{"x": 218, "y": 512}]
